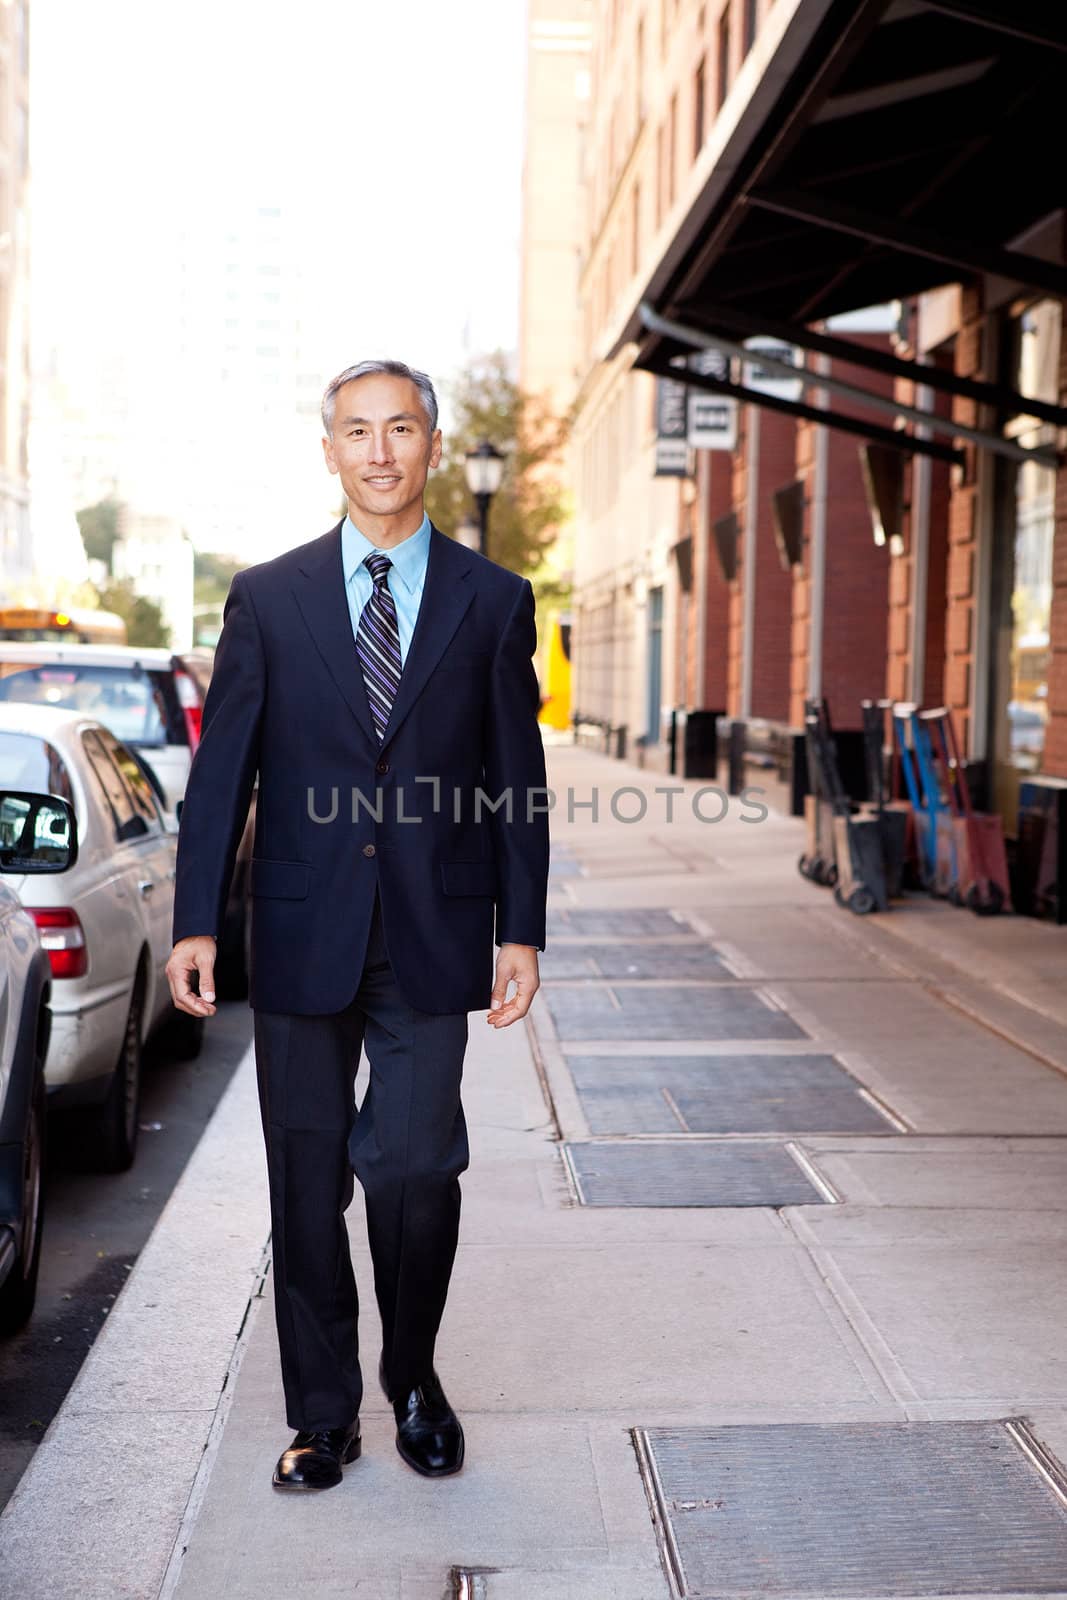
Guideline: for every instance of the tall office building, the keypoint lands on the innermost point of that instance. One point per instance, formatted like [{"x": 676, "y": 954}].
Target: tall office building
[
  {"x": 16, "y": 563},
  {"x": 557, "y": 111}
]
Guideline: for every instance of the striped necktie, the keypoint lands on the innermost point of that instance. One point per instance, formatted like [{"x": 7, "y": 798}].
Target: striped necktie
[{"x": 378, "y": 644}]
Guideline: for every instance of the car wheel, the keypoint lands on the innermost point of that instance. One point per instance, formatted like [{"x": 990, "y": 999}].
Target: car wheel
[
  {"x": 19, "y": 1289},
  {"x": 116, "y": 1121}
]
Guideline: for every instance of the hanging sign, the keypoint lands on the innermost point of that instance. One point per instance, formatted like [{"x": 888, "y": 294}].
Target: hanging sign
[
  {"x": 672, "y": 448},
  {"x": 769, "y": 380},
  {"x": 711, "y": 422}
]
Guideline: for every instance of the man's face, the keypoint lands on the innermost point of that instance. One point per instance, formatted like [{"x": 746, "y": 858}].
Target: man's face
[{"x": 382, "y": 448}]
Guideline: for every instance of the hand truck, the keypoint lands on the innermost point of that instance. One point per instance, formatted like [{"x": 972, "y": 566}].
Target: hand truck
[
  {"x": 859, "y": 881},
  {"x": 824, "y": 781},
  {"x": 920, "y": 780},
  {"x": 980, "y": 878},
  {"x": 893, "y": 816}
]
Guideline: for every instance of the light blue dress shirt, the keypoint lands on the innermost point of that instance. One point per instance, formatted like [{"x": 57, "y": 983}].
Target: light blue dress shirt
[{"x": 405, "y": 577}]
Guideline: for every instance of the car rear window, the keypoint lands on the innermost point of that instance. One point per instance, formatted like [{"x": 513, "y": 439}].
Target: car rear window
[
  {"x": 27, "y": 762},
  {"x": 139, "y": 704}
]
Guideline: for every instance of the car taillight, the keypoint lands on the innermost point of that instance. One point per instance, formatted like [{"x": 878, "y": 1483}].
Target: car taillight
[
  {"x": 189, "y": 700},
  {"x": 63, "y": 938}
]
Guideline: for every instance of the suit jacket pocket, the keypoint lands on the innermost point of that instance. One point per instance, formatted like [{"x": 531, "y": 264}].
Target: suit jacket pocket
[
  {"x": 468, "y": 877},
  {"x": 280, "y": 880}
]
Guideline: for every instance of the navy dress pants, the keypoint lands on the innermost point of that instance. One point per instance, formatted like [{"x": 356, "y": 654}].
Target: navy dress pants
[{"x": 407, "y": 1145}]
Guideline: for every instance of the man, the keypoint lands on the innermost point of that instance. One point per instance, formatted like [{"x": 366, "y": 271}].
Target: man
[{"x": 379, "y": 679}]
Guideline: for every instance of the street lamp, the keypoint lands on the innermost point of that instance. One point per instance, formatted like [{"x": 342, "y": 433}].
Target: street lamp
[
  {"x": 485, "y": 468},
  {"x": 468, "y": 533}
]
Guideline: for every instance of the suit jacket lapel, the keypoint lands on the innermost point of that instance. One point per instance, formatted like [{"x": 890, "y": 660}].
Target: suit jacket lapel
[{"x": 320, "y": 594}]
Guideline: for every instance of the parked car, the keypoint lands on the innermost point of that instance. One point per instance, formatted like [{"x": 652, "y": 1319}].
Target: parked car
[
  {"x": 37, "y": 835},
  {"x": 152, "y": 700},
  {"x": 106, "y": 925}
]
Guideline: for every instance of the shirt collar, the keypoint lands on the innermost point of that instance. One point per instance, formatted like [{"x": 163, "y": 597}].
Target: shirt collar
[{"x": 408, "y": 557}]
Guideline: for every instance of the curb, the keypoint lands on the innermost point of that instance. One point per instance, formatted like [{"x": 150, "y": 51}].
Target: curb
[{"x": 120, "y": 1472}]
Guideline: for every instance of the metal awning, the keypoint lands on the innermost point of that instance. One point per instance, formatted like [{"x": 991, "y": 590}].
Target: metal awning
[{"x": 889, "y": 147}]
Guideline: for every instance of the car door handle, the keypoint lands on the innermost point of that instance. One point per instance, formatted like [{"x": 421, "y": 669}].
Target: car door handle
[{"x": 146, "y": 885}]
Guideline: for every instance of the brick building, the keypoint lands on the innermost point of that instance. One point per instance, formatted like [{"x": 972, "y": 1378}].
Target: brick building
[{"x": 868, "y": 186}]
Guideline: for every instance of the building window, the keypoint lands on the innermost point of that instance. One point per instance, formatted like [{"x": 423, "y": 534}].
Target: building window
[
  {"x": 751, "y": 20},
  {"x": 724, "y": 58},
  {"x": 1023, "y": 571},
  {"x": 698, "y": 109}
]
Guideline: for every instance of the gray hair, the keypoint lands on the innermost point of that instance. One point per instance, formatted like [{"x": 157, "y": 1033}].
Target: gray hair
[{"x": 396, "y": 369}]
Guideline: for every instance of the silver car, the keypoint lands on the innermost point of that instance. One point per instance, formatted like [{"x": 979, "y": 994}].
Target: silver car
[
  {"x": 152, "y": 699},
  {"x": 106, "y": 925},
  {"x": 38, "y": 836}
]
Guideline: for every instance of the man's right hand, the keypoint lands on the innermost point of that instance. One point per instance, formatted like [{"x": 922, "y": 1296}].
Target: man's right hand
[{"x": 196, "y": 954}]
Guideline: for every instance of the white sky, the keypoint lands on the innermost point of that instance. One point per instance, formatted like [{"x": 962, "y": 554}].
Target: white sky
[{"x": 389, "y": 134}]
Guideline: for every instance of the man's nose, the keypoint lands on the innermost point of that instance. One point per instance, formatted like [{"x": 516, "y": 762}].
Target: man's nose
[{"x": 381, "y": 447}]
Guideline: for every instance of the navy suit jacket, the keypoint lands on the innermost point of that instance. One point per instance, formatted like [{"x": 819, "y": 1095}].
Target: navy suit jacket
[{"x": 337, "y": 814}]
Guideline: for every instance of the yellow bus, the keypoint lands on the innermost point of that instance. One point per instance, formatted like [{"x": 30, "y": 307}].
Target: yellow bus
[{"x": 30, "y": 624}]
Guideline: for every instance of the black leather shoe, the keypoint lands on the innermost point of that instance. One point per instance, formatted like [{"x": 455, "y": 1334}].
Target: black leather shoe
[
  {"x": 428, "y": 1432},
  {"x": 315, "y": 1458}
]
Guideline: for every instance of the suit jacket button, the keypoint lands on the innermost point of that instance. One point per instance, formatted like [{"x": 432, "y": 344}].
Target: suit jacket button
[
  {"x": 381, "y": 766},
  {"x": 368, "y": 850}
]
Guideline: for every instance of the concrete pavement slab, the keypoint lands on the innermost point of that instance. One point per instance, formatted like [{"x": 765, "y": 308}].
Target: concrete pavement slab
[
  {"x": 97, "y": 1511},
  {"x": 991, "y": 1175},
  {"x": 963, "y": 1302},
  {"x": 95, "y": 1515}
]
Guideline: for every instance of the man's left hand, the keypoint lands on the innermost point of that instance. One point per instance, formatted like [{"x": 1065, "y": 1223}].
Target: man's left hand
[{"x": 518, "y": 961}]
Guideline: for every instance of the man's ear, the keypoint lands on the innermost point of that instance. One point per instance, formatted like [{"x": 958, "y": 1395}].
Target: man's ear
[
  {"x": 435, "y": 448},
  {"x": 327, "y": 450}
]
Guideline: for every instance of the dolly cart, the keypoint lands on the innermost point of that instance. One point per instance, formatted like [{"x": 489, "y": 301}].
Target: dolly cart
[
  {"x": 893, "y": 816},
  {"x": 824, "y": 783},
  {"x": 920, "y": 780},
  {"x": 980, "y": 862},
  {"x": 860, "y": 874}
]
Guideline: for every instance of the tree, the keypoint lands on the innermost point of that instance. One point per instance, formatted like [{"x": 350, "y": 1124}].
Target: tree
[
  {"x": 529, "y": 508},
  {"x": 143, "y": 618},
  {"x": 99, "y": 526},
  {"x": 212, "y": 576}
]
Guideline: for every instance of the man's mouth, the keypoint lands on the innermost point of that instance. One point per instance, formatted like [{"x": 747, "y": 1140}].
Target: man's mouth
[{"x": 384, "y": 481}]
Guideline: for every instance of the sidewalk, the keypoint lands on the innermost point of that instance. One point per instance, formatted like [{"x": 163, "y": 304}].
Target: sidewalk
[{"x": 760, "y": 1287}]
